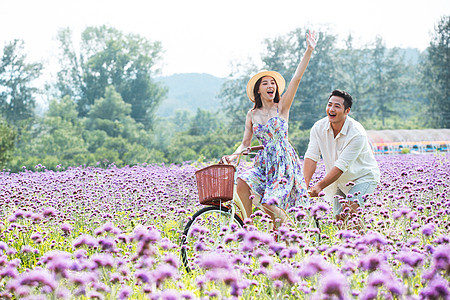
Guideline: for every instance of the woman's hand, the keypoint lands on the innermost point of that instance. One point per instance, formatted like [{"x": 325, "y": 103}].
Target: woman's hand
[
  {"x": 311, "y": 39},
  {"x": 228, "y": 159}
]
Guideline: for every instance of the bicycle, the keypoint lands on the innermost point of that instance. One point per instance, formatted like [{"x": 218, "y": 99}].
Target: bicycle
[{"x": 224, "y": 213}]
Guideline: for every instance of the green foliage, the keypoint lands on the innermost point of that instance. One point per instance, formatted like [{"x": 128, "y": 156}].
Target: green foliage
[
  {"x": 234, "y": 98},
  {"x": 405, "y": 151},
  {"x": 436, "y": 75},
  {"x": 203, "y": 122},
  {"x": 7, "y": 137},
  {"x": 17, "y": 95},
  {"x": 110, "y": 57},
  {"x": 108, "y": 95},
  {"x": 110, "y": 114}
]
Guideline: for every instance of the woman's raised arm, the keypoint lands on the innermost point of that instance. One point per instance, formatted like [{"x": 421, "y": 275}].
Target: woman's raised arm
[{"x": 288, "y": 96}]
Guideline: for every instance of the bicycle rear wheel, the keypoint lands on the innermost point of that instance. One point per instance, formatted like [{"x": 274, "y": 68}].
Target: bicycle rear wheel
[{"x": 210, "y": 229}]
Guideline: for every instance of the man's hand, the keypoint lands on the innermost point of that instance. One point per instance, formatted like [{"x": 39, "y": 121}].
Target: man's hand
[{"x": 315, "y": 191}]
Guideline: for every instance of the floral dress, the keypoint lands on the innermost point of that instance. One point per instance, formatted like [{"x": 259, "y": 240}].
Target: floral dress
[{"x": 276, "y": 175}]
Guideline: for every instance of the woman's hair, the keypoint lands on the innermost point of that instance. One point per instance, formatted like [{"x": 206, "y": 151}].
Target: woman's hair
[
  {"x": 258, "y": 102},
  {"x": 348, "y": 100}
]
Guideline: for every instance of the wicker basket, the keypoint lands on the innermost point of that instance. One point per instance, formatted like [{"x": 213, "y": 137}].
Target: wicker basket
[{"x": 215, "y": 184}]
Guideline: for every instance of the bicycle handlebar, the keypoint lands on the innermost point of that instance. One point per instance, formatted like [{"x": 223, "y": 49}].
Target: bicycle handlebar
[{"x": 249, "y": 150}]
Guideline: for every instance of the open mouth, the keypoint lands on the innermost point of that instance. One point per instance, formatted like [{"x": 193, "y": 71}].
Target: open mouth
[
  {"x": 270, "y": 93},
  {"x": 332, "y": 115}
]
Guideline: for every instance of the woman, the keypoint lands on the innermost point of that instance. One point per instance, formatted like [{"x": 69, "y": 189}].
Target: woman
[{"x": 276, "y": 176}]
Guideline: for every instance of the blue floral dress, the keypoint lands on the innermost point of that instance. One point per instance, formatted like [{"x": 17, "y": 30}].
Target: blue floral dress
[{"x": 277, "y": 171}]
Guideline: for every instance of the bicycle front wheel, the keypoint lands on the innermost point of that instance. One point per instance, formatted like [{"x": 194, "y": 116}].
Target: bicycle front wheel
[{"x": 210, "y": 229}]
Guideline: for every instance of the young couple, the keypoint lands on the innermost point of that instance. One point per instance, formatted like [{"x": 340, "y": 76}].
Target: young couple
[{"x": 276, "y": 176}]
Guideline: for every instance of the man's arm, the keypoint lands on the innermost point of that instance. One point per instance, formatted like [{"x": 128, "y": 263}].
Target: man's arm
[{"x": 331, "y": 177}]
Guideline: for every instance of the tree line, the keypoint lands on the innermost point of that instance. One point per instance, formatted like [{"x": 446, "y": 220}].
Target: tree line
[{"x": 102, "y": 103}]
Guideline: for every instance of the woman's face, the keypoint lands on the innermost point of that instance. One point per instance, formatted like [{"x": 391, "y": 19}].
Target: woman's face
[{"x": 267, "y": 88}]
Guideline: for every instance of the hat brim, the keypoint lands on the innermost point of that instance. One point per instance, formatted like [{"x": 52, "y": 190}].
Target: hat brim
[{"x": 281, "y": 83}]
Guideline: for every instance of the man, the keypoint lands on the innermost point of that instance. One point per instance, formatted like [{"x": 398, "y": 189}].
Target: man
[{"x": 351, "y": 168}]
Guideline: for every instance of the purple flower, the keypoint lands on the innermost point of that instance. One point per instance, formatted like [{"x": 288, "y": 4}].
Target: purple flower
[
  {"x": 107, "y": 244},
  {"x": 441, "y": 257},
  {"x": 319, "y": 209},
  {"x": 215, "y": 261},
  {"x": 346, "y": 234},
  {"x": 102, "y": 260},
  {"x": 125, "y": 292},
  {"x": 377, "y": 279},
  {"x": 436, "y": 289},
  {"x": 49, "y": 212},
  {"x": 3, "y": 246},
  {"x": 371, "y": 262},
  {"x": 265, "y": 261},
  {"x": 313, "y": 265},
  {"x": 273, "y": 201},
  {"x": 172, "y": 260},
  {"x": 36, "y": 277},
  {"x": 374, "y": 238},
  {"x": 334, "y": 284},
  {"x": 143, "y": 276},
  {"x": 428, "y": 229},
  {"x": 283, "y": 272},
  {"x": 19, "y": 213},
  {"x": 170, "y": 294},
  {"x": 85, "y": 239},
  {"x": 370, "y": 293},
  {"x": 9, "y": 272},
  {"x": 58, "y": 261},
  {"x": 164, "y": 272},
  {"x": 300, "y": 215},
  {"x": 411, "y": 258},
  {"x": 66, "y": 228},
  {"x": 145, "y": 235}
]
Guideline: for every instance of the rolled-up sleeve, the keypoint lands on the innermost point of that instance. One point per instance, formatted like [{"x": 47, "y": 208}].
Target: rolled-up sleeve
[
  {"x": 313, "y": 151},
  {"x": 350, "y": 152}
]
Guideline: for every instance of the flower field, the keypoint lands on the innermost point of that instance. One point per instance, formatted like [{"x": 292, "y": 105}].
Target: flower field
[{"x": 93, "y": 233}]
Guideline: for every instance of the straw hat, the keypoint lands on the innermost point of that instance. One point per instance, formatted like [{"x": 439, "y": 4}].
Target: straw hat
[{"x": 281, "y": 83}]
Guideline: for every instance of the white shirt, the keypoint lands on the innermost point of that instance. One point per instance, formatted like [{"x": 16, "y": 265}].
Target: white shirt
[{"x": 350, "y": 152}]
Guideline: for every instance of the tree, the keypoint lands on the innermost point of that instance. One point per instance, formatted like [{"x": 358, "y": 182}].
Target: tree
[
  {"x": 17, "y": 95},
  {"x": 109, "y": 57},
  {"x": 354, "y": 76},
  {"x": 111, "y": 115},
  {"x": 7, "y": 137},
  {"x": 436, "y": 75},
  {"x": 387, "y": 84},
  {"x": 203, "y": 122},
  {"x": 234, "y": 98},
  {"x": 65, "y": 109}
]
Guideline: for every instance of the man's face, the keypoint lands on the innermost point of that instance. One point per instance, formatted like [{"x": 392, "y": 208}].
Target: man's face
[{"x": 336, "y": 111}]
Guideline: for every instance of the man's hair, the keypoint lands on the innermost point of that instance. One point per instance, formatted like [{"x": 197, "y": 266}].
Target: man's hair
[{"x": 348, "y": 100}]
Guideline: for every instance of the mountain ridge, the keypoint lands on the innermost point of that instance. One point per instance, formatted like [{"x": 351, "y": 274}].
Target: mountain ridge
[{"x": 189, "y": 91}]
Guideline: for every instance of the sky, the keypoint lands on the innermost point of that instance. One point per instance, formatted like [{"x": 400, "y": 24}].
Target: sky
[{"x": 209, "y": 36}]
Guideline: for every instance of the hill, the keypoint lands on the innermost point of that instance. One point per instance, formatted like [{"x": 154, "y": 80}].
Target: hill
[{"x": 190, "y": 91}]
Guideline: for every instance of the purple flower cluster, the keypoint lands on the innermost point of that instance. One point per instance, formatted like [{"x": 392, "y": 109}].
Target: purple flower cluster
[{"x": 114, "y": 233}]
